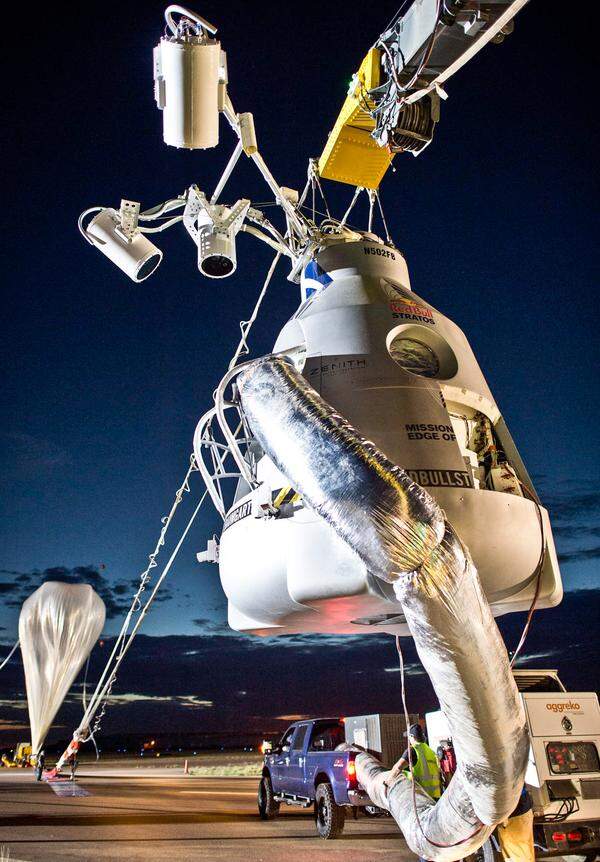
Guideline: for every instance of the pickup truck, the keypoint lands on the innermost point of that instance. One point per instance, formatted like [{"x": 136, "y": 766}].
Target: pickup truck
[{"x": 305, "y": 769}]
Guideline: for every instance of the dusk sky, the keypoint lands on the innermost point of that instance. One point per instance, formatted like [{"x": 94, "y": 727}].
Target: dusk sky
[{"x": 104, "y": 380}]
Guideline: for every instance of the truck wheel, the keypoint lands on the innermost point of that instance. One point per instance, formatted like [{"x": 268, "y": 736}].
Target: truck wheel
[
  {"x": 268, "y": 807},
  {"x": 330, "y": 816}
]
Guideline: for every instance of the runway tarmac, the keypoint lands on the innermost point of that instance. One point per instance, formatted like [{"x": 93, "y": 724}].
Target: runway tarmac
[{"x": 159, "y": 816}]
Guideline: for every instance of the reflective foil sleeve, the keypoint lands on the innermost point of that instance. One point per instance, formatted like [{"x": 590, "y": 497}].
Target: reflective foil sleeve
[
  {"x": 400, "y": 533},
  {"x": 343, "y": 477}
]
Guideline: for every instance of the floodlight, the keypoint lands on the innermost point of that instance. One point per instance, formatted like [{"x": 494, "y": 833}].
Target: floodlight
[
  {"x": 123, "y": 244},
  {"x": 189, "y": 81},
  {"x": 214, "y": 227}
]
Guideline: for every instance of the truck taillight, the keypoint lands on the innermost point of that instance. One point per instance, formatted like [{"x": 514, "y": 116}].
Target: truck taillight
[
  {"x": 575, "y": 835},
  {"x": 351, "y": 772},
  {"x": 557, "y": 837}
]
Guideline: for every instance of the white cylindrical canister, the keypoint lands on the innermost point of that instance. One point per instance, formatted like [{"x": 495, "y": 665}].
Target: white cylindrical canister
[
  {"x": 138, "y": 257},
  {"x": 190, "y": 79}
]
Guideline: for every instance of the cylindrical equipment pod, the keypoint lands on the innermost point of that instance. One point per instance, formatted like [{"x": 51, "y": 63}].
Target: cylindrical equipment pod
[
  {"x": 187, "y": 76},
  {"x": 137, "y": 257}
]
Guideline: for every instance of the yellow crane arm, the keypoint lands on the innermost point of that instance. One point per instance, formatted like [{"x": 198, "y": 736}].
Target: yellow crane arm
[
  {"x": 351, "y": 155},
  {"x": 420, "y": 51}
]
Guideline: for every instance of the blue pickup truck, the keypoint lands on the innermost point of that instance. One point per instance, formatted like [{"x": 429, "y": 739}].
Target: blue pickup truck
[{"x": 305, "y": 769}]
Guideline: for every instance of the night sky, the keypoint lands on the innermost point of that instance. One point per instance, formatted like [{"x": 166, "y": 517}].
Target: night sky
[{"x": 105, "y": 380}]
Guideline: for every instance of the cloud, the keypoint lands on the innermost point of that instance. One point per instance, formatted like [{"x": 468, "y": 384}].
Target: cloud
[
  {"x": 183, "y": 685},
  {"x": 116, "y": 595},
  {"x": 7, "y": 725},
  {"x": 13, "y": 703},
  {"x": 567, "y": 505},
  {"x": 25, "y": 455},
  {"x": 185, "y": 700},
  {"x": 134, "y": 697},
  {"x": 192, "y": 701},
  {"x": 409, "y": 669},
  {"x": 575, "y": 531},
  {"x": 209, "y": 626},
  {"x": 579, "y": 555},
  {"x": 535, "y": 656},
  {"x": 575, "y": 517}
]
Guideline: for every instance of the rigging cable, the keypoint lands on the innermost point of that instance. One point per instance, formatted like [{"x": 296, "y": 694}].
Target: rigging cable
[
  {"x": 144, "y": 577},
  {"x": 9, "y": 656},
  {"x": 395, "y": 17},
  {"x": 246, "y": 325},
  {"x": 104, "y": 693},
  {"x": 104, "y": 686},
  {"x": 537, "y": 574},
  {"x": 385, "y": 227},
  {"x": 357, "y": 191},
  {"x": 410, "y": 762}
]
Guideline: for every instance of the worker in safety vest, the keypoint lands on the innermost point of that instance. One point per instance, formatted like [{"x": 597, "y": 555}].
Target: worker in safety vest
[{"x": 425, "y": 766}]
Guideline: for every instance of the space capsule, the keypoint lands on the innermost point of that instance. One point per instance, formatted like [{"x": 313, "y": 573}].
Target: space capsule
[{"x": 406, "y": 378}]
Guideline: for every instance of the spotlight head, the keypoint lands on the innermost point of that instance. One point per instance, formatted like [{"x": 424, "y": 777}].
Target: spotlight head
[
  {"x": 128, "y": 249},
  {"x": 217, "y": 256},
  {"x": 213, "y": 227}
]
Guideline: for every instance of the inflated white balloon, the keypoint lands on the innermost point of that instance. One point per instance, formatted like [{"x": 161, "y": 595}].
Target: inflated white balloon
[{"x": 58, "y": 626}]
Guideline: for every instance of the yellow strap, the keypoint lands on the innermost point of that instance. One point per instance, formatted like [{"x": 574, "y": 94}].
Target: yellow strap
[{"x": 286, "y": 495}]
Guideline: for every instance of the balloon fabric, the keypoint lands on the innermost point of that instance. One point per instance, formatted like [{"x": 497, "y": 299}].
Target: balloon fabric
[{"x": 58, "y": 627}]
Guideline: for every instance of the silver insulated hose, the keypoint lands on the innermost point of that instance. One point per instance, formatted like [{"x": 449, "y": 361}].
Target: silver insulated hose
[{"x": 401, "y": 535}]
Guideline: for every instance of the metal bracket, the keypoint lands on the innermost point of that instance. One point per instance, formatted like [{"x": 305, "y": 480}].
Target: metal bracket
[
  {"x": 211, "y": 554},
  {"x": 129, "y": 215},
  {"x": 200, "y": 212}
]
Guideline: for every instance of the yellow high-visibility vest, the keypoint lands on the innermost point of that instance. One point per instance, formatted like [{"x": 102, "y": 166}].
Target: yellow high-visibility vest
[{"x": 426, "y": 770}]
